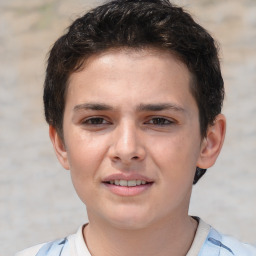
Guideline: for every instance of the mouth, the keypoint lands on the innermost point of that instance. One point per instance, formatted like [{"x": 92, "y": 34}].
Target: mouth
[{"x": 128, "y": 183}]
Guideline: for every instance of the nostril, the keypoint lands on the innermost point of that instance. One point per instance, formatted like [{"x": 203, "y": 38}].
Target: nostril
[
  {"x": 116, "y": 158},
  {"x": 135, "y": 157}
]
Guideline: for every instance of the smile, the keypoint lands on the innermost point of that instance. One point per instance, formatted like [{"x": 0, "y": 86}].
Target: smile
[
  {"x": 127, "y": 183},
  {"x": 124, "y": 186}
]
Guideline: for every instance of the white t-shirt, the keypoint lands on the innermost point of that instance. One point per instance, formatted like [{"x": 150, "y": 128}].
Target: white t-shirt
[{"x": 207, "y": 242}]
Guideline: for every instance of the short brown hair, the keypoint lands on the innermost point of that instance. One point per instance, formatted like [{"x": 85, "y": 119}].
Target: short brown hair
[{"x": 136, "y": 24}]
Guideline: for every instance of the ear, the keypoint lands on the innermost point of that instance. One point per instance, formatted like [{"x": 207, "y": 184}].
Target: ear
[
  {"x": 59, "y": 147},
  {"x": 212, "y": 143}
]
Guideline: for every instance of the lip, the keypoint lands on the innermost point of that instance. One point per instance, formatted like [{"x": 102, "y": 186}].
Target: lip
[
  {"x": 128, "y": 176},
  {"x": 127, "y": 191}
]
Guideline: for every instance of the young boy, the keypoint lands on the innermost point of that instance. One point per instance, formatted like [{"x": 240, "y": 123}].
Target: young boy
[{"x": 133, "y": 96}]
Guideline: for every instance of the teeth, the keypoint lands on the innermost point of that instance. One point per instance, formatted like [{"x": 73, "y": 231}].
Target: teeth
[
  {"x": 123, "y": 183},
  {"x": 131, "y": 183},
  {"x": 138, "y": 182},
  {"x": 128, "y": 183}
]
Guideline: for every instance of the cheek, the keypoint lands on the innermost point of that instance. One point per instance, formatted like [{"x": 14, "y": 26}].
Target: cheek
[
  {"x": 176, "y": 156},
  {"x": 85, "y": 155},
  {"x": 177, "y": 163},
  {"x": 84, "y": 160}
]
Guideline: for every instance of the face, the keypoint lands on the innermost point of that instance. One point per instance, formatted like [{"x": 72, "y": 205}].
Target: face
[{"x": 132, "y": 137}]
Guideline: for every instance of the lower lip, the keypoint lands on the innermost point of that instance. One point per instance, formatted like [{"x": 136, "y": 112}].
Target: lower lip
[{"x": 128, "y": 191}]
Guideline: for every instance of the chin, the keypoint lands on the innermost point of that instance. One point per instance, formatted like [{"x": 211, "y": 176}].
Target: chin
[
  {"x": 129, "y": 224},
  {"x": 130, "y": 219}
]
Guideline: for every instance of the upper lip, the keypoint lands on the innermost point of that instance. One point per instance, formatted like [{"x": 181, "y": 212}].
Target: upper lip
[{"x": 126, "y": 176}]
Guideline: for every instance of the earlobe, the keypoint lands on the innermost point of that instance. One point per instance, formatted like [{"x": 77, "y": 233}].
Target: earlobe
[
  {"x": 59, "y": 147},
  {"x": 212, "y": 143}
]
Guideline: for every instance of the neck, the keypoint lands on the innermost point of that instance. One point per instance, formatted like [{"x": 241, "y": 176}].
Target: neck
[{"x": 170, "y": 237}]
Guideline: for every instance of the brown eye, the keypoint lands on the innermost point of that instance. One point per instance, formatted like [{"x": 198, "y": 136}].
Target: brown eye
[
  {"x": 95, "y": 121},
  {"x": 160, "y": 121}
]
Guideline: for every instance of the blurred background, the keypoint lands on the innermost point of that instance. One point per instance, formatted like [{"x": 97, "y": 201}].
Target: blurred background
[{"x": 37, "y": 199}]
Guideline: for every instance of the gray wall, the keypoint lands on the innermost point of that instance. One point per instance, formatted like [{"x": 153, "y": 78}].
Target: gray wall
[{"x": 37, "y": 200}]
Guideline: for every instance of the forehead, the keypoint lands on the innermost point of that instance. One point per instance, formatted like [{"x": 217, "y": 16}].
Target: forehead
[{"x": 150, "y": 72}]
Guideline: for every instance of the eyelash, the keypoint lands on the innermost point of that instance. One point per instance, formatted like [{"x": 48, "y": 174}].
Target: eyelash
[
  {"x": 161, "y": 121},
  {"x": 158, "y": 121},
  {"x": 95, "y": 121}
]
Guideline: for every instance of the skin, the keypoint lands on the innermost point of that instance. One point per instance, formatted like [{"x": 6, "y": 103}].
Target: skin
[{"x": 131, "y": 113}]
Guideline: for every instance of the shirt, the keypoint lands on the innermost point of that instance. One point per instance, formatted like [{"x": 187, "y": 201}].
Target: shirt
[{"x": 207, "y": 242}]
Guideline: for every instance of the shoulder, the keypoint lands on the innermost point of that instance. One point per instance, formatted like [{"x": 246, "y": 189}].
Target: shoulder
[
  {"x": 238, "y": 248},
  {"x": 71, "y": 245},
  {"x": 222, "y": 245},
  {"x": 54, "y": 248},
  {"x": 30, "y": 251}
]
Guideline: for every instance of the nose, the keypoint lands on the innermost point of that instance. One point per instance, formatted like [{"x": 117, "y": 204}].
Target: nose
[{"x": 127, "y": 146}]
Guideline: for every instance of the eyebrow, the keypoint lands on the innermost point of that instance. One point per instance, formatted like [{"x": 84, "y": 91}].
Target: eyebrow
[
  {"x": 159, "y": 107},
  {"x": 140, "y": 108},
  {"x": 93, "y": 106}
]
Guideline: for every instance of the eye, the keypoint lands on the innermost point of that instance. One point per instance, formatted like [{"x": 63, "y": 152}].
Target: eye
[
  {"x": 95, "y": 121},
  {"x": 160, "y": 121}
]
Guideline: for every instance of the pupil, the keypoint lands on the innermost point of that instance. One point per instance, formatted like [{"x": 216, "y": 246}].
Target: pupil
[
  {"x": 96, "y": 121},
  {"x": 159, "y": 121}
]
